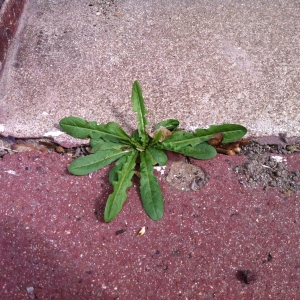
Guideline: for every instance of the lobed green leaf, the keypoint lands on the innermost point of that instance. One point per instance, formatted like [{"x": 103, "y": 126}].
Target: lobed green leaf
[
  {"x": 180, "y": 139},
  {"x": 120, "y": 183},
  {"x": 231, "y": 132},
  {"x": 151, "y": 195},
  {"x": 139, "y": 107},
  {"x": 110, "y": 146},
  {"x": 97, "y": 144},
  {"x": 79, "y": 128},
  {"x": 93, "y": 162},
  {"x": 200, "y": 151}
]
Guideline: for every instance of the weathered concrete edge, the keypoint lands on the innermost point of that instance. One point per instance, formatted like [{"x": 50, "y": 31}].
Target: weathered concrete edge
[{"x": 70, "y": 142}]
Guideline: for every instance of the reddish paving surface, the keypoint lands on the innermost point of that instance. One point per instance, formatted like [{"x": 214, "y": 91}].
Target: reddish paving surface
[{"x": 55, "y": 245}]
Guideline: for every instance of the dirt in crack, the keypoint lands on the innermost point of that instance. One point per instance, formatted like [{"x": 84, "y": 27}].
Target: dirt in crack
[
  {"x": 186, "y": 177},
  {"x": 267, "y": 169}
]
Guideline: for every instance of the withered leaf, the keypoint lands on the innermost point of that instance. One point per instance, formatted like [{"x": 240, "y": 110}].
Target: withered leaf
[
  {"x": 225, "y": 151},
  {"x": 124, "y": 148},
  {"x": 164, "y": 132},
  {"x": 25, "y": 148},
  {"x": 50, "y": 145},
  {"x": 137, "y": 174},
  {"x": 293, "y": 148},
  {"x": 47, "y": 144},
  {"x": 216, "y": 139},
  {"x": 228, "y": 149},
  {"x": 59, "y": 149},
  {"x": 244, "y": 142}
]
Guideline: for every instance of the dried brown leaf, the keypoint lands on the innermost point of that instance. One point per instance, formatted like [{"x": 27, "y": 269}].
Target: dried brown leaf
[
  {"x": 137, "y": 174},
  {"x": 216, "y": 139},
  {"x": 47, "y": 144},
  {"x": 164, "y": 132},
  {"x": 293, "y": 148},
  {"x": 225, "y": 151},
  {"x": 59, "y": 149},
  {"x": 244, "y": 142},
  {"x": 25, "y": 148},
  {"x": 228, "y": 149}
]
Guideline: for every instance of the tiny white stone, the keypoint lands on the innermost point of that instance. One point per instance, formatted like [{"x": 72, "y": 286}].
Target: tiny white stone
[
  {"x": 11, "y": 172},
  {"x": 278, "y": 158},
  {"x": 30, "y": 289},
  {"x": 1, "y": 127},
  {"x": 160, "y": 169},
  {"x": 44, "y": 113},
  {"x": 141, "y": 231},
  {"x": 53, "y": 133}
]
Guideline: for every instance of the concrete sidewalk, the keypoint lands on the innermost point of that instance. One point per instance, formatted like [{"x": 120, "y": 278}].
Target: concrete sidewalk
[{"x": 201, "y": 62}]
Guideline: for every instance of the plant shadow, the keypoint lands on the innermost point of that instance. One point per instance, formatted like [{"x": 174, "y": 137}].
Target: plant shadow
[
  {"x": 100, "y": 202},
  {"x": 107, "y": 189}
]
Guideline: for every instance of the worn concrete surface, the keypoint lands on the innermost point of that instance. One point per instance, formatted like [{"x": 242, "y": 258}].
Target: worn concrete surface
[
  {"x": 55, "y": 245},
  {"x": 10, "y": 14},
  {"x": 202, "y": 62}
]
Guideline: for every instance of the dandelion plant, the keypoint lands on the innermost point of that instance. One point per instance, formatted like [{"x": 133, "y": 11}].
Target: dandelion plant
[{"x": 144, "y": 148}]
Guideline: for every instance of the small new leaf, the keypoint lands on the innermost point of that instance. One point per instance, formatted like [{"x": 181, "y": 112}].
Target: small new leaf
[
  {"x": 170, "y": 124},
  {"x": 157, "y": 156},
  {"x": 139, "y": 107}
]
